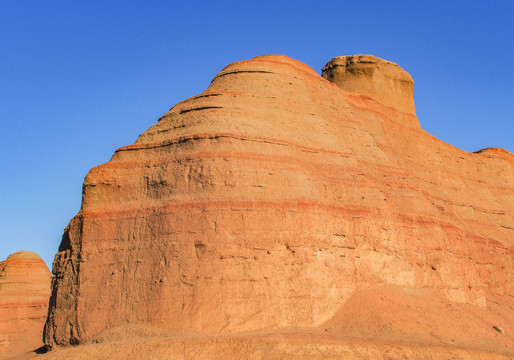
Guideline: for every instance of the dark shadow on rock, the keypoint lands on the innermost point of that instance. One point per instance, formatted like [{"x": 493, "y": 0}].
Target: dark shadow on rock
[{"x": 42, "y": 350}]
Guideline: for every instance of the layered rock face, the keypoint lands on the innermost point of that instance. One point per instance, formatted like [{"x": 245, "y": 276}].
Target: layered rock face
[
  {"x": 24, "y": 294},
  {"x": 277, "y": 200}
]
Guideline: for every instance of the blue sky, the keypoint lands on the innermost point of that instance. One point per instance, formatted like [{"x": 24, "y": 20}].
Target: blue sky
[{"x": 80, "y": 79}]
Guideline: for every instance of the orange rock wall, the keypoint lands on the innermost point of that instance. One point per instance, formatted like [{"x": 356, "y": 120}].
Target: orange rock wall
[{"x": 267, "y": 201}]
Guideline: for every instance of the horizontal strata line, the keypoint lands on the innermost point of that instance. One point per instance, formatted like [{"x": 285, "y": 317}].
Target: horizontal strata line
[
  {"x": 446, "y": 202},
  {"x": 38, "y": 303},
  {"x": 298, "y": 162},
  {"x": 232, "y": 205},
  {"x": 298, "y": 66},
  {"x": 207, "y": 94},
  {"x": 210, "y": 136},
  {"x": 242, "y": 71},
  {"x": 390, "y": 171},
  {"x": 183, "y": 111},
  {"x": 356, "y": 98},
  {"x": 396, "y": 177},
  {"x": 224, "y": 155}
]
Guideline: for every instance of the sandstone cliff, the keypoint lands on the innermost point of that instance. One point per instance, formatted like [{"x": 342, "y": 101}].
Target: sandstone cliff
[
  {"x": 24, "y": 293},
  {"x": 281, "y": 202}
]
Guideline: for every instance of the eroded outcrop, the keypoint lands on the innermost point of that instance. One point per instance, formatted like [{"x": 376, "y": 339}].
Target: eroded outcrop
[
  {"x": 274, "y": 198},
  {"x": 382, "y": 80},
  {"x": 24, "y": 293}
]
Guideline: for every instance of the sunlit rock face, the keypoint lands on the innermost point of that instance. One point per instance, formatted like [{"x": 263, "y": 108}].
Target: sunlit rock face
[
  {"x": 24, "y": 294},
  {"x": 273, "y": 198}
]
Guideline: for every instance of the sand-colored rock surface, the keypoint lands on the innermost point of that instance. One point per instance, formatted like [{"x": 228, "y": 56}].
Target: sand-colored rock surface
[
  {"x": 281, "y": 215},
  {"x": 24, "y": 294}
]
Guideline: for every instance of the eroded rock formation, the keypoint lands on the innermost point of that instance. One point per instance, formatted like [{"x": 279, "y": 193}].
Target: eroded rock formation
[
  {"x": 382, "y": 80},
  {"x": 24, "y": 293},
  {"x": 279, "y": 200}
]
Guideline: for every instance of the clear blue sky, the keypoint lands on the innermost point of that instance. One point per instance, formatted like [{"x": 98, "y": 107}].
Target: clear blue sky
[{"x": 80, "y": 79}]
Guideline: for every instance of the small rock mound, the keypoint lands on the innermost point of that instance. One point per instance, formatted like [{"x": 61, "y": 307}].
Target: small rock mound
[{"x": 24, "y": 293}]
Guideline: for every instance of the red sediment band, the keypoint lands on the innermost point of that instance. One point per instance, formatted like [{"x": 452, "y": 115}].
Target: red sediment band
[
  {"x": 217, "y": 155},
  {"x": 300, "y": 205},
  {"x": 390, "y": 170},
  {"x": 210, "y": 136}
]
